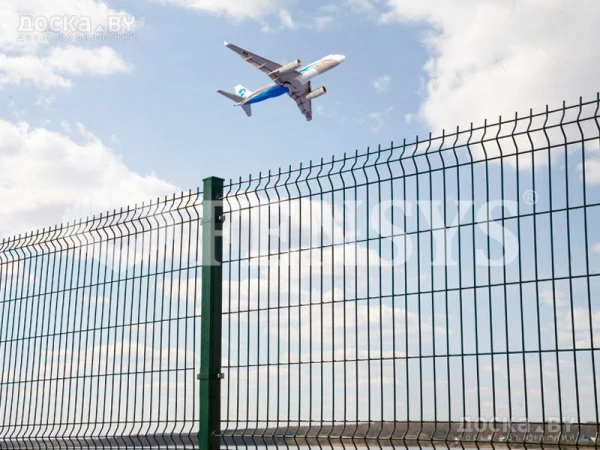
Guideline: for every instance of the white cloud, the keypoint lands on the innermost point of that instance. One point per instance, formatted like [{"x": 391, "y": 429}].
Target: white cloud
[
  {"x": 51, "y": 63},
  {"x": 596, "y": 248},
  {"x": 237, "y": 9},
  {"x": 60, "y": 16},
  {"x": 375, "y": 119},
  {"x": 53, "y": 69},
  {"x": 44, "y": 100},
  {"x": 592, "y": 171},
  {"x": 330, "y": 8},
  {"x": 66, "y": 126},
  {"x": 382, "y": 83},
  {"x": 286, "y": 19},
  {"x": 322, "y": 21},
  {"x": 549, "y": 297},
  {"x": 491, "y": 58},
  {"x": 576, "y": 326},
  {"x": 409, "y": 117},
  {"x": 362, "y": 5},
  {"x": 45, "y": 174}
]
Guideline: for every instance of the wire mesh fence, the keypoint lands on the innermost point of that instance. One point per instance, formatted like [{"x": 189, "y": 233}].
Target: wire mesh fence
[
  {"x": 99, "y": 342},
  {"x": 443, "y": 291}
]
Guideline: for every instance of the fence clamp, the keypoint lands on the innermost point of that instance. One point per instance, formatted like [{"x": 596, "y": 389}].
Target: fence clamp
[{"x": 204, "y": 376}]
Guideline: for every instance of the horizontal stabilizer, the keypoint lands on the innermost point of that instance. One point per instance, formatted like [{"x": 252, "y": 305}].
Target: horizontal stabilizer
[
  {"x": 237, "y": 99},
  {"x": 230, "y": 96}
]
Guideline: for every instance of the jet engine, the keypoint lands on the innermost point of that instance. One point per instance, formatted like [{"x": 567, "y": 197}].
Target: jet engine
[
  {"x": 287, "y": 68},
  {"x": 316, "y": 93}
]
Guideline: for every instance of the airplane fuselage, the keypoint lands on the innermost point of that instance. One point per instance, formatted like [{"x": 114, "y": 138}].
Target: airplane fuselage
[{"x": 307, "y": 73}]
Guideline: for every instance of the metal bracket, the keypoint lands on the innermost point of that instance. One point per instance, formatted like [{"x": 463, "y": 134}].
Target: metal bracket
[{"x": 204, "y": 376}]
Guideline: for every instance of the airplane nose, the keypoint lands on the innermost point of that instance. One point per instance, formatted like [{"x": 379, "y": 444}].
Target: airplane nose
[{"x": 340, "y": 58}]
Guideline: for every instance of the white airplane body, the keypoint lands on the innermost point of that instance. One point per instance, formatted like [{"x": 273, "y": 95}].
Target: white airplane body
[{"x": 291, "y": 79}]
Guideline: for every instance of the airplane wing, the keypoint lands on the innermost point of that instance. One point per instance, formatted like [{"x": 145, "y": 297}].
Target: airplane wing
[
  {"x": 263, "y": 64},
  {"x": 303, "y": 103}
]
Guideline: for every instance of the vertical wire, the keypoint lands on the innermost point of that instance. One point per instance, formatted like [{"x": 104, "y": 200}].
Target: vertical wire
[
  {"x": 278, "y": 361},
  {"x": 56, "y": 333},
  {"x": 462, "y": 333},
  {"x": 17, "y": 379},
  {"x": 10, "y": 338},
  {"x": 504, "y": 276},
  {"x": 5, "y": 267},
  {"x": 432, "y": 269},
  {"x": 99, "y": 326},
  {"x": 117, "y": 370},
  {"x": 570, "y": 271},
  {"x": 333, "y": 305},
  {"x": 553, "y": 269},
  {"x": 153, "y": 323},
  {"x": 587, "y": 258},
  {"x": 80, "y": 372},
  {"x": 129, "y": 324},
  {"x": 381, "y": 353},
  {"x": 322, "y": 317},
  {"x": 165, "y": 370},
  {"x": 249, "y": 275},
  {"x": 74, "y": 377},
  {"x": 258, "y": 308},
  {"x": 34, "y": 336},
  {"x": 25, "y": 342},
  {"x": 239, "y": 298},
  {"x": 356, "y": 397},
  {"x": 475, "y": 286},
  {"x": 419, "y": 293},
  {"x": 15, "y": 373},
  {"x": 446, "y": 309},
  {"x": 148, "y": 322},
  {"x": 393, "y": 235},
  {"x": 489, "y": 271},
  {"x": 228, "y": 256},
  {"x": 289, "y": 289},
  {"x": 268, "y": 309},
  {"x": 405, "y": 236},
  {"x": 197, "y": 266},
  {"x": 344, "y": 304},
  {"x": 536, "y": 274},
  {"x": 461, "y": 286},
  {"x": 163, "y": 297},
  {"x": 139, "y": 236},
  {"x": 107, "y": 374},
  {"x": 310, "y": 296}
]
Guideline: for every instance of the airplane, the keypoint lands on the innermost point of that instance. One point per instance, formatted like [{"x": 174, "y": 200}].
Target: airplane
[{"x": 291, "y": 79}]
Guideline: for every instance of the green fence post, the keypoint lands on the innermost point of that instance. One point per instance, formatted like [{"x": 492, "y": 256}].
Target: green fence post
[{"x": 212, "y": 279}]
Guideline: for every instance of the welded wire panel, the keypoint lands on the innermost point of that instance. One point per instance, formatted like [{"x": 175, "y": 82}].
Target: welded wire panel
[
  {"x": 440, "y": 291},
  {"x": 99, "y": 330}
]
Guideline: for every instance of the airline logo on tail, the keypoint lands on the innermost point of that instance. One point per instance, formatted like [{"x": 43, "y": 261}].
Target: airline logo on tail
[{"x": 241, "y": 90}]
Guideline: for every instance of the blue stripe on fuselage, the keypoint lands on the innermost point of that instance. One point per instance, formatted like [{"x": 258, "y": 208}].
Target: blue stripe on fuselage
[{"x": 273, "y": 91}]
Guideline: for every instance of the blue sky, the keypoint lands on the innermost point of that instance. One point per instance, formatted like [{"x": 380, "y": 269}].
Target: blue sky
[
  {"x": 166, "y": 117},
  {"x": 149, "y": 109}
]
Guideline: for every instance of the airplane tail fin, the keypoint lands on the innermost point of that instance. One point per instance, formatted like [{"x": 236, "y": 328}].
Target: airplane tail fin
[
  {"x": 237, "y": 99},
  {"x": 241, "y": 91},
  {"x": 247, "y": 109}
]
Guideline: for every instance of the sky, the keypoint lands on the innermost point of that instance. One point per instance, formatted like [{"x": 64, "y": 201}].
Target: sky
[
  {"x": 87, "y": 125},
  {"x": 90, "y": 125}
]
